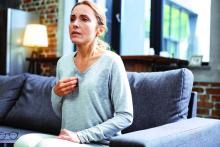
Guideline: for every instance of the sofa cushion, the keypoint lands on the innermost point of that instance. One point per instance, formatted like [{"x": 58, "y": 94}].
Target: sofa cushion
[
  {"x": 10, "y": 87},
  {"x": 12, "y": 134},
  {"x": 159, "y": 97},
  {"x": 33, "y": 109}
]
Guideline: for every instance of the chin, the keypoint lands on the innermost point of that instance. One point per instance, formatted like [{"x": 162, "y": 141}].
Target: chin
[{"x": 76, "y": 41}]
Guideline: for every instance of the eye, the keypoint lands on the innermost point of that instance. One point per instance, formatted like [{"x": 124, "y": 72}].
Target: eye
[
  {"x": 84, "y": 18},
  {"x": 72, "y": 18}
]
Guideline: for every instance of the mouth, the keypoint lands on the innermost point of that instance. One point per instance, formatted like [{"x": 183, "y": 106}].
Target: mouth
[{"x": 75, "y": 33}]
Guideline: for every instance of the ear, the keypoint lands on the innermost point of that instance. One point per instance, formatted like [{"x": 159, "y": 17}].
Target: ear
[{"x": 100, "y": 31}]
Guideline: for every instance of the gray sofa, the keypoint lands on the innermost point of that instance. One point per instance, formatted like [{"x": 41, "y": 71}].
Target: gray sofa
[{"x": 164, "y": 114}]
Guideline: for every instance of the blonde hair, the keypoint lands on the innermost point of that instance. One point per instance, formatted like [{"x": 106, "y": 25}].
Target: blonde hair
[{"x": 101, "y": 19}]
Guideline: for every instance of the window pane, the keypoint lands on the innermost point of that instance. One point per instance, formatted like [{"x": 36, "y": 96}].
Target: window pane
[
  {"x": 183, "y": 22},
  {"x": 166, "y": 20},
  {"x": 175, "y": 23},
  {"x": 184, "y": 25},
  {"x": 147, "y": 26}
]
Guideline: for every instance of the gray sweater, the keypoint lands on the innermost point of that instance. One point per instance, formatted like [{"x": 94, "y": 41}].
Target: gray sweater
[{"x": 102, "y": 105}]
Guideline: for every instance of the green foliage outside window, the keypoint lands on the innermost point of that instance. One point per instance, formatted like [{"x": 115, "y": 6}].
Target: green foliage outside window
[
  {"x": 166, "y": 21},
  {"x": 176, "y": 23},
  {"x": 147, "y": 26},
  {"x": 175, "y": 28},
  {"x": 184, "y": 25}
]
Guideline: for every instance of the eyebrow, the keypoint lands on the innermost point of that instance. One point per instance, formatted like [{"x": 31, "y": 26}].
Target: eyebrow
[{"x": 83, "y": 15}]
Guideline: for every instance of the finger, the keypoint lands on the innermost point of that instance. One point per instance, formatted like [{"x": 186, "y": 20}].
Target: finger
[
  {"x": 65, "y": 137},
  {"x": 74, "y": 78},
  {"x": 67, "y": 84},
  {"x": 68, "y": 79},
  {"x": 69, "y": 138},
  {"x": 70, "y": 88},
  {"x": 66, "y": 132},
  {"x": 61, "y": 132},
  {"x": 65, "y": 93}
]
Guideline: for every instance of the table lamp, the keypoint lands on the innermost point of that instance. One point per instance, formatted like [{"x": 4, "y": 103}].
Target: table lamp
[{"x": 35, "y": 36}]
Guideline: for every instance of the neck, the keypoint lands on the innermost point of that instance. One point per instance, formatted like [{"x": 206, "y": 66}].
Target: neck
[{"x": 87, "y": 51}]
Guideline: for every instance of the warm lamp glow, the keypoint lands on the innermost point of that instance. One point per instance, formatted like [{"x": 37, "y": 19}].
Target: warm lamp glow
[{"x": 35, "y": 36}]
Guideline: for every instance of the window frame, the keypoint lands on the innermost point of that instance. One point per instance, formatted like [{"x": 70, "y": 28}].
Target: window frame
[{"x": 176, "y": 40}]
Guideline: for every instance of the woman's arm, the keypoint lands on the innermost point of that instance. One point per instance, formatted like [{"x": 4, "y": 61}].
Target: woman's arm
[
  {"x": 62, "y": 88},
  {"x": 55, "y": 99}
]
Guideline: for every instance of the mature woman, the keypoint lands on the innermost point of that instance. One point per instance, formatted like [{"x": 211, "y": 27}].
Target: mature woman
[{"x": 92, "y": 94}]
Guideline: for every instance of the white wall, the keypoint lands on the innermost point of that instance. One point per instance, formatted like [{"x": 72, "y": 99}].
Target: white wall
[
  {"x": 212, "y": 74},
  {"x": 132, "y": 27},
  {"x": 64, "y": 44}
]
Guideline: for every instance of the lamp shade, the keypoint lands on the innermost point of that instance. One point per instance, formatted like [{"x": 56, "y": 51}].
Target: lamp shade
[{"x": 35, "y": 35}]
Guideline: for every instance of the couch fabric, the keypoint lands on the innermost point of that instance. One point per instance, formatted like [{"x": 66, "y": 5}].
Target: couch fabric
[
  {"x": 192, "y": 132},
  {"x": 10, "y": 88},
  {"x": 159, "y": 97},
  {"x": 32, "y": 109}
]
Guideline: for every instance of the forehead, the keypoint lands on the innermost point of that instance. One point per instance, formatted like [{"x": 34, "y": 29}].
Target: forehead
[{"x": 83, "y": 10}]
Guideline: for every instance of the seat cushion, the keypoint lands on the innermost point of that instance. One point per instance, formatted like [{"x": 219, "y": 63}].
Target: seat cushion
[
  {"x": 10, "y": 87},
  {"x": 33, "y": 109},
  {"x": 10, "y": 134},
  {"x": 159, "y": 97}
]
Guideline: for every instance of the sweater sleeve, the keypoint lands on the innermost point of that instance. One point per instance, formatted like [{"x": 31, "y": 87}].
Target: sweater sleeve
[
  {"x": 122, "y": 103},
  {"x": 55, "y": 99}
]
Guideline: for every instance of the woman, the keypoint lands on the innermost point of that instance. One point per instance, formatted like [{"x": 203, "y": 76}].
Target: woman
[{"x": 92, "y": 94}]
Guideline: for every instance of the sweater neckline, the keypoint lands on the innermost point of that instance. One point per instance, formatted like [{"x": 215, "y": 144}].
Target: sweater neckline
[{"x": 90, "y": 67}]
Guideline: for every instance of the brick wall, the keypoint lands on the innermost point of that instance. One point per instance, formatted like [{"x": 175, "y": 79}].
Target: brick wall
[
  {"x": 208, "y": 99},
  {"x": 48, "y": 10}
]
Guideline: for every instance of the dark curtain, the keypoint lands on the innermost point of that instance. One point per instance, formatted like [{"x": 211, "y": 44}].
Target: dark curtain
[{"x": 10, "y": 4}]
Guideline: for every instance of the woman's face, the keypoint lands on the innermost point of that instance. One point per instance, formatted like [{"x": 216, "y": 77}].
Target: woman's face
[{"x": 83, "y": 25}]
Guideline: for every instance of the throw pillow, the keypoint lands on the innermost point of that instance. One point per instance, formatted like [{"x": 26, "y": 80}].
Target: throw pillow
[
  {"x": 10, "y": 87},
  {"x": 33, "y": 109},
  {"x": 159, "y": 97}
]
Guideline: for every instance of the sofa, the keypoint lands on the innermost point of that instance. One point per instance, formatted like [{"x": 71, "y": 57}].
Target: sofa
[{"x": 164, "y": 111}]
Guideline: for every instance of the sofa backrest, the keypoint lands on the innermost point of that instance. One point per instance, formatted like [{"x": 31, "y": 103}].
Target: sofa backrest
[
  {"x": 159, "y": 97},
  {"x": 10, "y": 87},
  {"x": 32, "y": 109}
]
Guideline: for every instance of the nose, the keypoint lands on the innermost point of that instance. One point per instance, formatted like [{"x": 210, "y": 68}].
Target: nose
[{"x": 75, "y": 24}]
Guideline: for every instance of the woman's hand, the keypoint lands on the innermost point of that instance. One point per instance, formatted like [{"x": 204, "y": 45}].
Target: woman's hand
[
  {"x": 65, "y": 86},
  {"x": 69, "y": 135}
]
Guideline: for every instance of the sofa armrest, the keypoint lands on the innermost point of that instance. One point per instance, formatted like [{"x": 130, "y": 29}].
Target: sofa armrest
[
  {"x": 190, "y": 132},
  {"x": 192, "y": 108}
]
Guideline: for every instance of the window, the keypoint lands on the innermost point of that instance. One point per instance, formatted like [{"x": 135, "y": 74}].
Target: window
[
  {"x": 176, "y": 29},
  {"x": 183, "y": 22},
  {"x": 173, "y": 26}
]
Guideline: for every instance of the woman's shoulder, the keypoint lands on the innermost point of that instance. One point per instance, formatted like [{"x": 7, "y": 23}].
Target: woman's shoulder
[
  {"x": 66, "y": 58},
  {"x": 114, "y": 60},
  {"x": 110, "y": 55}
]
